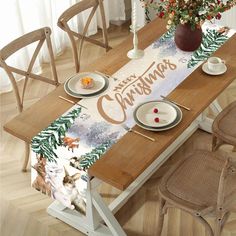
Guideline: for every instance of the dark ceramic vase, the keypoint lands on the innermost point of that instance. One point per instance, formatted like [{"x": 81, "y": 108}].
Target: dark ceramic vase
[{"x": 187, "y": 39}]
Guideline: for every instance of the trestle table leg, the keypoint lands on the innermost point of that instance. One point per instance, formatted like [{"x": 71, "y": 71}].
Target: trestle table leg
[
  {"x": 76, "y": 220},
  {"x": 205, "y": 123},
  {"x": 92, "y": 215},
  {"x": 215, "y": 106},
  {"x": 106, "y": 215}
]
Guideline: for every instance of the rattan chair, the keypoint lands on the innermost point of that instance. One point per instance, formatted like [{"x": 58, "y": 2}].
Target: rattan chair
[
  {"x": 39, "y": 36},
  {"x": 201, "y": 184},
  {"x": 224, "y": 127},
  {"x": 73, "y": 11}
]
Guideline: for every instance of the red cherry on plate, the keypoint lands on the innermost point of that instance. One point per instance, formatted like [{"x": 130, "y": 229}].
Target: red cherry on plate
[
  {"x": 157, "y": 120},
  {"x": 155, "y": 110}
]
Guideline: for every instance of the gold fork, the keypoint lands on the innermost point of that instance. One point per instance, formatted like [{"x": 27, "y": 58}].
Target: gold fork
[
  {"x": 70, "y": 101},
  {"x": 136, "y": 132}
]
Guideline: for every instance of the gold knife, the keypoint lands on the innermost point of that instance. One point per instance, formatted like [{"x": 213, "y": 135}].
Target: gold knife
[{"x": 169, "y": 100}]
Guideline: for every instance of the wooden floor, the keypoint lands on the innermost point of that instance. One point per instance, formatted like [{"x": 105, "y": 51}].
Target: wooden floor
[{"x": 23, "y": 209}]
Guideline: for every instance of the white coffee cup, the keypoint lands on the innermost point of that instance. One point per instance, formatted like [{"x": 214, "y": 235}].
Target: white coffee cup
[{"x": 215, "y": 64}]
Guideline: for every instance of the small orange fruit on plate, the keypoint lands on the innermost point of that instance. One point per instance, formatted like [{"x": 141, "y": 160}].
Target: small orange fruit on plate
[{"x": 87, "y": 82}]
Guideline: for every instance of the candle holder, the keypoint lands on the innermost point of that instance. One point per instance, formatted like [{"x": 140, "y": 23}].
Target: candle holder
[{"x": 135, "y": 53}]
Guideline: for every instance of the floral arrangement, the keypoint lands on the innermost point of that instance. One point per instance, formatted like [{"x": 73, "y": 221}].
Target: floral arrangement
[{"x": 193, "y": 12}]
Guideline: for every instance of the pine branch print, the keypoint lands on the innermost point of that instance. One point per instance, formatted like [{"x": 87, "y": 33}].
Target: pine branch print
[
  {"x": 147, "y": 15},
  {"x": 88, "y": 159},
  {"x": 169, "y": 34},
  {"x": 212, "y": 40},
  {"x": 50, "y": 138}
]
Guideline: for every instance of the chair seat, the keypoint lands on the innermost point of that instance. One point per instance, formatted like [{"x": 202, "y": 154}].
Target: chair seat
[
  {"x": 224, "y": 126},
  {"x": 194, "y": 182},
  {"x": 201, "y": 184}
]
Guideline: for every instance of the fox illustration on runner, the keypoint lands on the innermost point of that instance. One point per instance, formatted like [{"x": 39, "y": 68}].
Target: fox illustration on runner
[{"x": 71, "y": 143}]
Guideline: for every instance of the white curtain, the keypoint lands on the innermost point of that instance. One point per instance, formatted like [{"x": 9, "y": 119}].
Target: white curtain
[
  {"x": 229, "y": 18},
  {"x": 18, "y": 17}
]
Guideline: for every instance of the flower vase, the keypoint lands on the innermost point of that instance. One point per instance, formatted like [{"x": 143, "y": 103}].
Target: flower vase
[{"x": 186, "y": 38}]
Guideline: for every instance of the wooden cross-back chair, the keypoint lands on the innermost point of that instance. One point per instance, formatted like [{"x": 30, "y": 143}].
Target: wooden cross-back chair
[
  {"x": 41, "y": 35},
  {"x": 202, "y": 184},
  {"x": 73, "y": 11}
]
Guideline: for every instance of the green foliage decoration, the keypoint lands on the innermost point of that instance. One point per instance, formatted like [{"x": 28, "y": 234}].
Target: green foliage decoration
[
  {"x": 90, "y": 158},
  {"x": 211, "y": 41},
  {"x": 51, "y": 137},
  {"x": 169, "y": 34}
]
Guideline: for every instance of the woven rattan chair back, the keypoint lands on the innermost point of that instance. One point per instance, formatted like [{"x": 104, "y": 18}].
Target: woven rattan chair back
[
  {"x": 66, "y": 16},
  {"x": 224, "y": 127},
  {"x": 202, "y": 184},
  {"x": 39, "y": 36}
]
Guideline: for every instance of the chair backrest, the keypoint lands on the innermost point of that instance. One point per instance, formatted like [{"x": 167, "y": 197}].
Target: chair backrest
[
  {"x": 40, "y": 36},
  {"x": 223, "y": 127},
  {"x": 227, "y": 188},
  {"x": 67, "y": 15}
]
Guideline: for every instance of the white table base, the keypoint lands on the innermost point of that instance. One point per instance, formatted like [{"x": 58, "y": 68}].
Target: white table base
[{"x": 98, "y": 212}]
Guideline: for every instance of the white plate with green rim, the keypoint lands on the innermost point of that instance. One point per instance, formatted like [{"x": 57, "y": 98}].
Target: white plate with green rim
[
  {"x": 74, "y": 83},
  {"x": 177, "y": 120},
  {"x": 148, "y": 112},
  {"x": 76, "y": 95}
]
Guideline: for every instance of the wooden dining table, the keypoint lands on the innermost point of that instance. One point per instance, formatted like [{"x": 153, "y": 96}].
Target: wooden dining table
[{"x": 133, "y": 159}]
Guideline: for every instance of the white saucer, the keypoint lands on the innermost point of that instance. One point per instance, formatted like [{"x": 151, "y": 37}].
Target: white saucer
[{"x": 210, "y": 72}]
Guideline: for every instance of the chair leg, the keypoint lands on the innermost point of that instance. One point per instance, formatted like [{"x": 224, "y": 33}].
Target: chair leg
[
  {"x": 224, "y": 220},
  {"x": 161, "y": 217},
  {"x": 206, "y": 224},
  {"x": 104, "y": 28},
  {"x": 26, "y": 160},
  {"x": 218, "y": 224},
  {"x": 214, "y": 142}
]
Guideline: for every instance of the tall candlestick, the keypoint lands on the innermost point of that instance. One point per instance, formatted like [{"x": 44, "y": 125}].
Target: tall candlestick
[
  {"x": 135, "y": 53},
  {"x": 134, "y": 11}
]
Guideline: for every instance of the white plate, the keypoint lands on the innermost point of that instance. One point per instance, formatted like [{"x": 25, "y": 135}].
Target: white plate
[
  {"x": 210, "y": 72},
  {"x": 166, "y": 113},
  {"x": 76, "y": 95},
  {"x": 167, "y": 127},
  {"x": 74, "y": 83}
]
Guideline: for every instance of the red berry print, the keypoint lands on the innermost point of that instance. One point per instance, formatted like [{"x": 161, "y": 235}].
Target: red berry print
[
  {"x": 155, "y": 110},
  {"x": 157, "y": 120}
]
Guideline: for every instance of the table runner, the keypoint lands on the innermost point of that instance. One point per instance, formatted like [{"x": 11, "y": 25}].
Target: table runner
[{"x": 63, "y": 151}]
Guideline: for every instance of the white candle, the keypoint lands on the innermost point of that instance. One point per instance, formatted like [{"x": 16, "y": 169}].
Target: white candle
[{"x": 134, "y": 24}]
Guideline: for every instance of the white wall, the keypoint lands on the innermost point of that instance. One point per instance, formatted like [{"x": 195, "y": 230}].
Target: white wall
[{"x": 228, "y": 18}]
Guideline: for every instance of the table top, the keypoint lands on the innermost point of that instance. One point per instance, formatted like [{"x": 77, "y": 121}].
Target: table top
[{"x": 132, "y": 154}]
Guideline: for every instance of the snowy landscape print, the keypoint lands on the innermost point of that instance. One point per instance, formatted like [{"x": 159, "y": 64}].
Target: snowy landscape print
[
  {"x": 91, "y": 133},
  {"x": 64, "y": 177}
]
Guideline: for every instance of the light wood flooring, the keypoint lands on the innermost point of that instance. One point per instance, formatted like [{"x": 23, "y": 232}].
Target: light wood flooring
[{"x": 23, "y": 209}]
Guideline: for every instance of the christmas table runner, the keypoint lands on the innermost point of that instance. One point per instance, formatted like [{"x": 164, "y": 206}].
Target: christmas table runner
[{"x": 63, "y": 152}]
